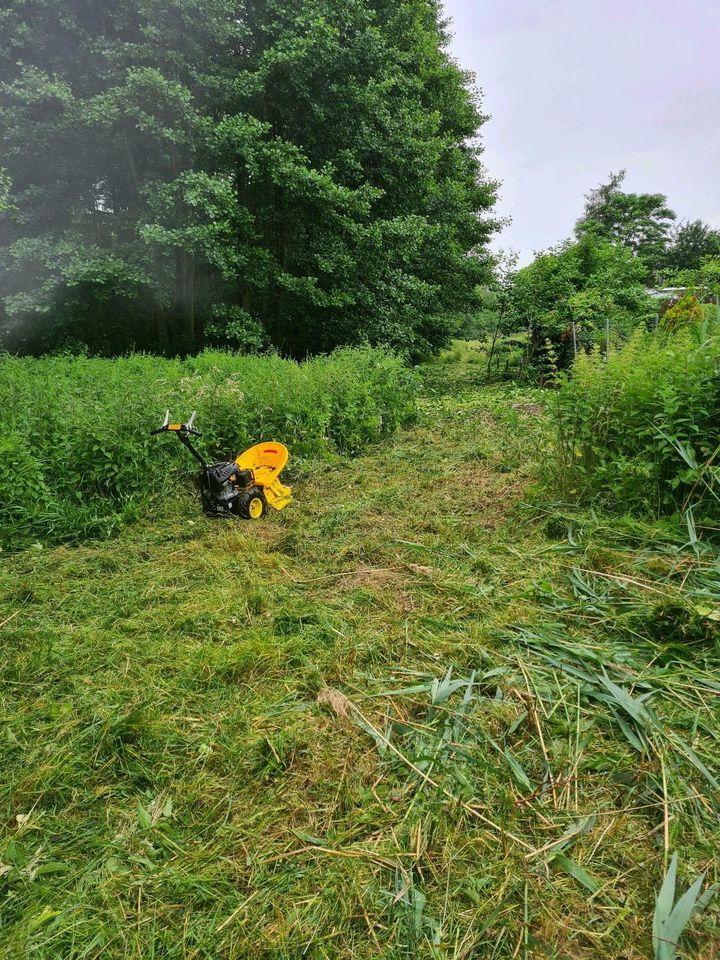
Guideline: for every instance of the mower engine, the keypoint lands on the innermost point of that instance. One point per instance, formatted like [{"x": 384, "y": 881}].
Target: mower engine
[{"x": 228, "y": 490}]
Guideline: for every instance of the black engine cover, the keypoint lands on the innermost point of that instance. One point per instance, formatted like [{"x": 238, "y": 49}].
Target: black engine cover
[{"x": 223, "y": 486}]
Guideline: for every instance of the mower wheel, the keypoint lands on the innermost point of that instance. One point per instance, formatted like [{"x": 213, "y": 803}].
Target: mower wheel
[{"x": 252, "y": 506}]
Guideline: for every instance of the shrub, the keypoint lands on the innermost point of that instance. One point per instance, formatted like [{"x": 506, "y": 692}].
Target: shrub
[
  {"x": 686, "y": 311},
  {"x": 642, "y": 430},
  {"x": 76, "y": 458}
]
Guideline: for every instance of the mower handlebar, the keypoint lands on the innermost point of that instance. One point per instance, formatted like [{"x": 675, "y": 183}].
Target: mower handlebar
[{"x": 182, "y": 428}]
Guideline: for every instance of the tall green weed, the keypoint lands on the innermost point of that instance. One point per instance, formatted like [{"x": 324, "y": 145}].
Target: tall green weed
[
  {"x": 642, "y": 429},
  {"x": 76, "y": 457}
]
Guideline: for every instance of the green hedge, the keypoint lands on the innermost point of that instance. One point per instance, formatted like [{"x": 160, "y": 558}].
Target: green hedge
[
  {"x": 642, "y": 430},
  {"x": 76, "y": 458}
]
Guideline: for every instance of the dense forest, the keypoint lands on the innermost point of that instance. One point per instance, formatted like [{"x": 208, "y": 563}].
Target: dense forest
[{"x": 259, "y": 174}]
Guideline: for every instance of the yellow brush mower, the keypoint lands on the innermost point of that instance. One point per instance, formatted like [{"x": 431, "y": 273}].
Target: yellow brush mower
[{"x": 244, "y": 487}]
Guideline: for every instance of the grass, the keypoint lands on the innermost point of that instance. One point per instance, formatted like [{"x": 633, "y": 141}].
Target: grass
[
  {"x": 411, "y": 716},
  {"x": 492, "y": 358}
]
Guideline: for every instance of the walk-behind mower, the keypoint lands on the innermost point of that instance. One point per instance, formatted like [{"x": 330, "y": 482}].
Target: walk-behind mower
[{"x": 244, "y": 487}]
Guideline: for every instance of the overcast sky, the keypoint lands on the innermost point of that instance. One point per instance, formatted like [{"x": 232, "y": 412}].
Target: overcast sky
[{"x": 577, "y": 88}]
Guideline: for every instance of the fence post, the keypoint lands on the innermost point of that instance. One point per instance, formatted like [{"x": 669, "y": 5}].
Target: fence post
[{"x": 607, "y": 339}]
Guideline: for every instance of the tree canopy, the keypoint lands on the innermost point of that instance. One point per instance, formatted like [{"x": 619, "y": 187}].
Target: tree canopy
[
  {"x": 692, "y": 242},
  {"x": 583, "y": 284},
  {"x": 639, "y": 221},
  {"x": 302, "y": 175},
  {"x": 624, "y": 243}
]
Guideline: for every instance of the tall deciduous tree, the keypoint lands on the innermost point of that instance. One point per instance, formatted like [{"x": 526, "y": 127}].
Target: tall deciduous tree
[
  {"x": 581, "y": 285},
  {"x": 639, "y": 221},
  {"x": 692, "y": 242},
  {"x": 304, "y": 174}
]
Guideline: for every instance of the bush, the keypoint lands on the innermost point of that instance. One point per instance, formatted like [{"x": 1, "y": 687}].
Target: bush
[
  {"x": 76, "y": 458},
  {"x": 642, "y": 431},
  {"x": 685, "y": 312}
]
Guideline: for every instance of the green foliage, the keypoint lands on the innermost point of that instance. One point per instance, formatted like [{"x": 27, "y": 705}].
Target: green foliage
[
  {"x": 642, "y": 430},
  {"x": 692, "y": 242},
  {"x": 5, "y": 186},
  {"x": 641, "y": 222},
  {"x": 76, "y": 458},
  {"x": 687, "y": 311},
  {"x": 228, "y": 325},
  {"x": 587, "y": 283},
  {"x": 178, "y": 780},
  {"x": 580, "y": 294},
  {"x": 670, "y": 918},
  {"x": 708, "y": 275},
  {"x": 703, "y": 282},
  {"x": 306, "y": 173}
]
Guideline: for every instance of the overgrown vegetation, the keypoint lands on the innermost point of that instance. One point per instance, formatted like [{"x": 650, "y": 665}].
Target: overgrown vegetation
[
  {"x": 624, "y": 269},
  {"x": 641, "y": 429},
  {"x": 76, "y": 459},
  {"x": 460, "y": 700},
  {"x": 409, "y": 717},
  {"x": 572, "y": 295}
]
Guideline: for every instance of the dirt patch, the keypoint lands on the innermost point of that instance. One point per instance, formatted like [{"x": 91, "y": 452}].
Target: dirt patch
[
  {"x": 482, "y": 494},
  {"x": 370, "y": 578},
  {"x": 387, "y": 583},
  {"x": 529, "y": 409}
]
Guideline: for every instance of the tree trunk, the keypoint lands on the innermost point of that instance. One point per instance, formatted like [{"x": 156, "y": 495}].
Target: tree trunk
[
  {"x": 185, "y": 300},
  {"x": 161, "y": 329},
  {"x": 496, "y": 334}
]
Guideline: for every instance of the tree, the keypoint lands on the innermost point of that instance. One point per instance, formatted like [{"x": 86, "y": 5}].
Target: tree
[
  {"x": 639, "y": 221},
  {"x": 691, "y": 243},
  {"x": 100, "y": 105},
  {"x": 498, "y": 301},
  {"x": 5, "y": 186},
  {"x": 568, "y": 294},
  {"x": 303, "y": 174},
  {"x": 701, "y": 289}
]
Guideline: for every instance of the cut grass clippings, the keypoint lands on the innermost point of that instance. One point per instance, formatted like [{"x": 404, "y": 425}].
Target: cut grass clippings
[{"x": 409, "y": 717}]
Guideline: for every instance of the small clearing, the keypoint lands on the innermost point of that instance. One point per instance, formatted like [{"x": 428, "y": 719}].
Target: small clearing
[{"x": 412, "y": 716}]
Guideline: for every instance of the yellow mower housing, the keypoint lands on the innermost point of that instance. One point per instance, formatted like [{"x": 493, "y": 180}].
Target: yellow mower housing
[{"x": 267, "y": 460}]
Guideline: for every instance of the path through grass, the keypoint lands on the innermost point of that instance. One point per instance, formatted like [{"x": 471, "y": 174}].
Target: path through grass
[{"x": 410, "y": 717}]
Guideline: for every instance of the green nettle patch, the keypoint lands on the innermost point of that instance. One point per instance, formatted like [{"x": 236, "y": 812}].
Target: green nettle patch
[
  {"x": 76, "y": 457},
  {"x": 642, "y": 429}
]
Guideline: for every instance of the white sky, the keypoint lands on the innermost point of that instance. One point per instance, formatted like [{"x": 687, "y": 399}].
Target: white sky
[{"x": 577, "y": 88}]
